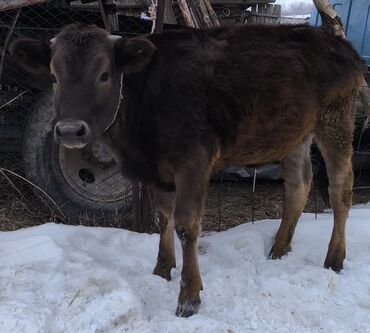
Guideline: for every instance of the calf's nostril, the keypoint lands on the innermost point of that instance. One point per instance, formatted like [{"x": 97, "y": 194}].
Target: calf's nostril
[
  {"x": 82, "y": 131},
  {"x": 57, "y": 131}
]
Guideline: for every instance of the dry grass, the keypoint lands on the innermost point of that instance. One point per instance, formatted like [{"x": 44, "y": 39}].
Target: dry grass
[{"x": 235, "y": 205}]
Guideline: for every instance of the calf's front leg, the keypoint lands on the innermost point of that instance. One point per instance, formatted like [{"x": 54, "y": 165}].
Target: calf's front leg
[
  {"x": 166, "y": 255},
  {"x": 191, "y": 192},
  {"x": 191, "y": 283},
  {"x": 164, "y": 203}
]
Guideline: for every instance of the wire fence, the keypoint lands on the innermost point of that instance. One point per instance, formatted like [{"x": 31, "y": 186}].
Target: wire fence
[
  {"x": 44, "y": 181},
  {"x": 40, "y": 179}
]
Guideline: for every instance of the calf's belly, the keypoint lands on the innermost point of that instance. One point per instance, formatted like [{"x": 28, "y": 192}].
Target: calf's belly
[{"x": 249, "y": 150}]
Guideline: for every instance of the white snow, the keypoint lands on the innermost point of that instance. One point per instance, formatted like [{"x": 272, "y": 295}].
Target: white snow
[{"x": 57, "y": 278}]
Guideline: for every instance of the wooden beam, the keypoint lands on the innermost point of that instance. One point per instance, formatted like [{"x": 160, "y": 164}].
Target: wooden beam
[
  {"x": 169, "y": 15},
  {"x": 159, "y": 16},
  {"x": 324, "y": 6},
  {"x": 185, "y": 11},
  {"x": 12, "y": 4},
  {"x": 212, "y": 13},
  {"x": 329, "y": 17}
]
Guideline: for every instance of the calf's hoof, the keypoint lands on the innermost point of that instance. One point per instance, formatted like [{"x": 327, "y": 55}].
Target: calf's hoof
[
  {"x": 187, "y": 308},
  {"x": 163, "y": 271},
  {"x": 279, "y": 251},
  {"x": 189, "y": 301},
  {"x": 334, "y": 260}
]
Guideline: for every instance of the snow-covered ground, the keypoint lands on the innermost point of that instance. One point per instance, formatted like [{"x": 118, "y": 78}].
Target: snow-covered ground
[{"x": 57, "y": 278}]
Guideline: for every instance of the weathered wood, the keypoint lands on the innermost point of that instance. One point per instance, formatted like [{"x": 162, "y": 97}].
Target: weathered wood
[
  {"x": 329, "y": 17},
  {"x": 202, "y": 13},
  {"x": 324, "y": 6},
  {"x": 239, "y": 2},
  {"x": 11, "y": 4},
  {"x": 212, "y": 13},
  {"x": 269, "y": 11},
  {"x": 277, "y": 13},
  {"x": 185, "y": 11},
  {"x": 254, "y": 17},
  {"x": 194, "y": 17},
  {"x": 265, "y": 14},
  {"x": 112, "y": 17},
  {"x": 169, "y": 16},
  {"x": 196, "y": 13},
  {"x": 159, "y": 17},
  {"x": 261, "y": 11},
  {"x": 206, "y": 19}
]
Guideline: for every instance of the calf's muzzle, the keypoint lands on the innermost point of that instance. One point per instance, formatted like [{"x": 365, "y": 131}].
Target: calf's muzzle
[{"x": 72, "y": 133}]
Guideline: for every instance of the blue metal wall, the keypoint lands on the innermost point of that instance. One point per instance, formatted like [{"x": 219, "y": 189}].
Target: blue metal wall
[{"x": 356, "y": 18}]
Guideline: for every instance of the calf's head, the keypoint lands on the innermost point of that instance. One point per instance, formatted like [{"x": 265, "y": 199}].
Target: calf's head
[{"x": 85, "y": 66}]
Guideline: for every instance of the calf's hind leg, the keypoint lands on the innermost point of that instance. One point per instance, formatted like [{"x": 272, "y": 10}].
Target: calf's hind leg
[
  {"x": 334, "y": 136},
  {"x": 339, "y": 168},
  {"x": 297, "y": 174}
]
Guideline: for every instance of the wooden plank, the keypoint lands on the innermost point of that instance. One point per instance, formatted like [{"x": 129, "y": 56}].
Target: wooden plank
[
  {"x": 254, "y": 17},
  {"x": 329, "y": 17},
  {"x": 12, "y": 4},
  {"x": 203, "y": 14},
  {"x": 276, "y": 12},
  {"x": 159, "y": 16},
  {"x": 185, "y": 11},
  {"x": 269, "y": 11},
  {"x": 212, "y": 13},
  {"x": 261, "y": 10},
  {"x": 195, "y": 14},
  {"x": 169, "y": 16},
  {"x": 239, "y": 2},
  {"x": 265, "y": 14}
]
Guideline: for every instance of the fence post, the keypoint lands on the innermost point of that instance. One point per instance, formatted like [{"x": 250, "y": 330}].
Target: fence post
[
  {"x": 159, "y": 16},
  {"x": 169, "y": 16},
  {"x": 277, "y": 13}
]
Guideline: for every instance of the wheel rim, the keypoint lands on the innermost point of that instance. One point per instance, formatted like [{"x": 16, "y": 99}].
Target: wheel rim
[{"x": 93, "y": 174}]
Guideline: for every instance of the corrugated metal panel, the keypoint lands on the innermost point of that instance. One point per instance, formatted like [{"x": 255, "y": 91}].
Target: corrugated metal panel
[{"x": 365, "y": 42}]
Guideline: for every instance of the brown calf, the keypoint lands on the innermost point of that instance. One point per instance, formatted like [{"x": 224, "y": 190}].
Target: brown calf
[{"x": 194, "y": 101}]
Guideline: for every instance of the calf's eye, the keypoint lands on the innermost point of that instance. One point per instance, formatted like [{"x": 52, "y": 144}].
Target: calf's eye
[{"x": 104, "y": 77}]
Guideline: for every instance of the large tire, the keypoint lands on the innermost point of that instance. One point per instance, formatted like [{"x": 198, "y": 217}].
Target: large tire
[{"x": 83, "y": 186}]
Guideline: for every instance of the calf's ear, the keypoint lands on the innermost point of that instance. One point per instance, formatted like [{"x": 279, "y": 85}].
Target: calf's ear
[
  {"x": 32, "y": 55},
  {"x": 133, "y": 54}
]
